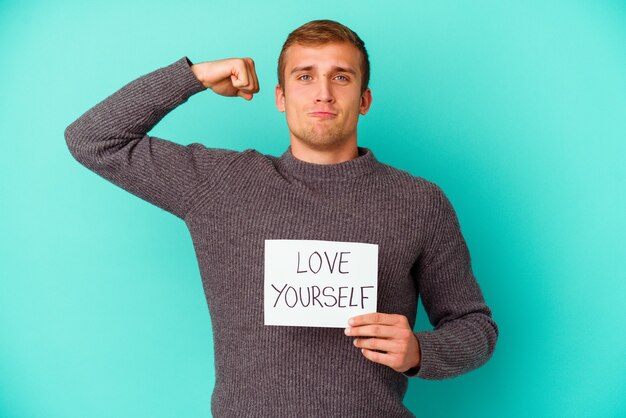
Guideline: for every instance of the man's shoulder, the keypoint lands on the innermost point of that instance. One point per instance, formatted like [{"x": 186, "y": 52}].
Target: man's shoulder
[
  {"x": 413, "y": 185},
  {"x": 226, "y": 155}
]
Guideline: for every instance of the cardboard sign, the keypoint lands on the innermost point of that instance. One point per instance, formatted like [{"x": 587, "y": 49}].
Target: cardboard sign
[{"x": 319, "y": 283}]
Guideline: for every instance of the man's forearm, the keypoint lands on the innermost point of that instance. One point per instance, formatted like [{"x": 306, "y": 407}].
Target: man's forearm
[
  {"x": 111, "y": 139},
  {"x": 457, "y": 347},
  {"x": 96, "y": 138}
]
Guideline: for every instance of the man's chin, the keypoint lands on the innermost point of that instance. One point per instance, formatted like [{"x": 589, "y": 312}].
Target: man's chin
[
  {"x": 323, "y": 141},
  {"x": 323, "y": 144}
]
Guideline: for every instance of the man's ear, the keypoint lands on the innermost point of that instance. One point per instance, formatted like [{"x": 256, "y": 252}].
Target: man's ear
[
  {"x": 366, "y": 101},
  {"x": 280, "y": 98}
]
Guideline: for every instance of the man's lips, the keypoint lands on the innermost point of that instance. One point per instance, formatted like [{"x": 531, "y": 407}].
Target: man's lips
[{"x": 321, "y": 114}]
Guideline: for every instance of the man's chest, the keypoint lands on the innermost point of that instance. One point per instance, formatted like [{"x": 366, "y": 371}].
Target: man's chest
[{"x": 230, "y": 232}]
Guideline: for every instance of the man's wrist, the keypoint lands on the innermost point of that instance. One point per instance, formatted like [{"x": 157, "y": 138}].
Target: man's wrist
[
  {"x": 197, "y": 71},
  {"x": 419, "y": 351}
]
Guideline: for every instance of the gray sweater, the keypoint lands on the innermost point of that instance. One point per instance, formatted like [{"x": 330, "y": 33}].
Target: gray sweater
[{"x": 233, "y": 201}]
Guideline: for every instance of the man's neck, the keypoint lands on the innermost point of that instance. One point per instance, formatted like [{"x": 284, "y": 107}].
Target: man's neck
[{"x": 345, "y": 152}]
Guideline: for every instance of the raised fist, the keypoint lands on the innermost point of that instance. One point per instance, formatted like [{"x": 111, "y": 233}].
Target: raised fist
[{"x": 229, "y": 77}]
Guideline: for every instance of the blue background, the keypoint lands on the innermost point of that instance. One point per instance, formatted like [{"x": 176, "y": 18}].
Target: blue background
[{"x": 516, "y": 109}]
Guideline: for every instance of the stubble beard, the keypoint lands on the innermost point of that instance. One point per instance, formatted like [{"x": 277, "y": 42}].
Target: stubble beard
[{"x": 321, "y": 139}]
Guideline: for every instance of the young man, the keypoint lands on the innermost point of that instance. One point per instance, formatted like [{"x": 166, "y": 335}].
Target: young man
[{"x": 323, "y": 187}]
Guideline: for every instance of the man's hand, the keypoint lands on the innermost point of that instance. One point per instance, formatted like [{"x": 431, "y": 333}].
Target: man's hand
[
  {"x": 230, "y": 77},
  {"x": 389, "y": 333}
]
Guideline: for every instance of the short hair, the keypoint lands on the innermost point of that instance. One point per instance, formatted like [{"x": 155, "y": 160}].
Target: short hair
[{"x": 320, "y": 32}]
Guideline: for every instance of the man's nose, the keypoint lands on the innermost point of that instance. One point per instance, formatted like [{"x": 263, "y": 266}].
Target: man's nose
[{"x": 324, "y": 93}]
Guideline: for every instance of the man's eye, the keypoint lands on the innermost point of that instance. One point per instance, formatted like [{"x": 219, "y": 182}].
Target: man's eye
[
  {"x": 342, "y": 78},
  {"x": 304, "y": 77}
]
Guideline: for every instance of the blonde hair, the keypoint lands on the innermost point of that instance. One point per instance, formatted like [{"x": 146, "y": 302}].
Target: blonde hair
[{"x": 320, "y": 32}]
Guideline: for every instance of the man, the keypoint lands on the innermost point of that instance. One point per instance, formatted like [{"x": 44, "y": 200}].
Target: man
[{"x": 324, "y": 187}]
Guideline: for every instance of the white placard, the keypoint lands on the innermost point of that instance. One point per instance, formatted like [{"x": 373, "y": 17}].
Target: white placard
[{"x": 319, "y": 283}]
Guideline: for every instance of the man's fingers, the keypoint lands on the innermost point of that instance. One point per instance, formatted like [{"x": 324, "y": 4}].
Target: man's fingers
[
  {"x": 244, "y": 78},
  {"x": 389, "y": 346},
  {"x": 391, "y": 343},
  {"x": 253, "y": 74},
  {"x": 390, "y": 360},
  {"x": 380, "y": 331},
  {"x": 253, "y": 83},
  {"x": 378, "y": 318},
  {"x": 239, "y": 75},
  {"x": 229, "y": 77}
]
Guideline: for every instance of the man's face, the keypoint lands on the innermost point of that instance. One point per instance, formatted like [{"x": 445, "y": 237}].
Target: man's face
[{"x": 322, "y": 95}]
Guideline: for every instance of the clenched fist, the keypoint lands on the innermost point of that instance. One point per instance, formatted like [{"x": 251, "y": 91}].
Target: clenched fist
[{"x": 229, "y": 77}]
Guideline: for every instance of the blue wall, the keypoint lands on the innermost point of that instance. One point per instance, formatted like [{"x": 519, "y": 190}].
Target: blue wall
[{"x": 516, "y": 109}]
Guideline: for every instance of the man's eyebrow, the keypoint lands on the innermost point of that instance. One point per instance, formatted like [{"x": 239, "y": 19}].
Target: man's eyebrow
[{"x": 336, "y": 69}]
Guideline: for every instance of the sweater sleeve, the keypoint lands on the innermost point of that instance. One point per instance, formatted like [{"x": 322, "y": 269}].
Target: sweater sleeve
[
  {"x": 464, "y": 334},
  {"x": 111, "y": 139}
]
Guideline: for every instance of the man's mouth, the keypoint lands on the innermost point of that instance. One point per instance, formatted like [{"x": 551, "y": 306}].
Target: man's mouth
[{"x": 323, "y": 115}]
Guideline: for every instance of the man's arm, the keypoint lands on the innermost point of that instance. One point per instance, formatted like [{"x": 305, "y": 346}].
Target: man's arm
[
  {"x": 465, "y": 334},
  {"x": 111, "y": 138}
]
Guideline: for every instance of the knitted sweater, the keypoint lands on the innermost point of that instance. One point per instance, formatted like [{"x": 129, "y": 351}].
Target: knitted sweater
[{"x": 233, "y": 201}]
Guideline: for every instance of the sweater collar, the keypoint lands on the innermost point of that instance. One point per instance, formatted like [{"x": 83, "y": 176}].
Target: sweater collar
[{"x": 363, "y": 164}]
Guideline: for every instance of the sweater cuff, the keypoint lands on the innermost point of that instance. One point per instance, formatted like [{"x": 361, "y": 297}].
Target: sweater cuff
[
  {"x": 180, "y": 74},
  {"x": 412, "y": 372},
  {"x": 430, "y": 367}
]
